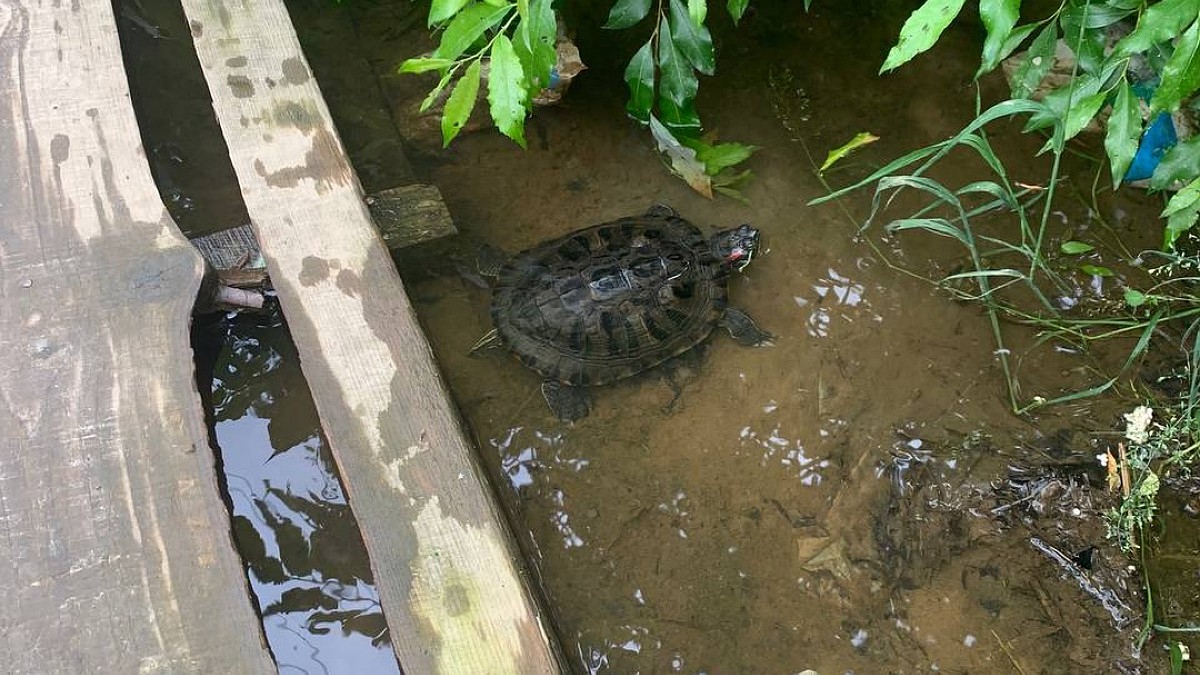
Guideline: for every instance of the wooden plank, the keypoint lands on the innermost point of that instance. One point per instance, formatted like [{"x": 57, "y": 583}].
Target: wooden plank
[
  {"x": 405, "y": 216},
  {"x": 116, "y": 548},
  {"x": 448, "y": 574}
]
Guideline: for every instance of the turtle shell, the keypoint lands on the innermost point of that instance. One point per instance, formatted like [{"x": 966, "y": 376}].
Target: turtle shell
[{"x": 611, "y": 300}]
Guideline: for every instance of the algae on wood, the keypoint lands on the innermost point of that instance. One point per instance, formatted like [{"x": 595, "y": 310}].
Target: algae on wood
[{"x": 448, "y": 573}]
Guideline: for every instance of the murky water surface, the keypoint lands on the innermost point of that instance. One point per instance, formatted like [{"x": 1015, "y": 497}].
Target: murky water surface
[{"x": 853, "y": 498}]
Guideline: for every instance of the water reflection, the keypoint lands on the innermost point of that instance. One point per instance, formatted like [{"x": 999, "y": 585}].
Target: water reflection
[{"x": 306, "y": 561}]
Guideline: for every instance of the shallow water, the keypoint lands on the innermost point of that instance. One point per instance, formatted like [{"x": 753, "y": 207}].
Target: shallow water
[
  {"x": 306, "y": 561},
  {"x": 856, "y": 496}
]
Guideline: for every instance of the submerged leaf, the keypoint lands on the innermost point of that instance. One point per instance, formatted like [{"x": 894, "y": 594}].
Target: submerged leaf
[
  {"x": 1096, "y": 270},
  {"x": 860, "y": 139},
  {"x": 639, "y": 76},
  {"x": 681, "y": 159},
  {"x": 921, "y": 31},
  {"x": 1134, "y": 298},
  {"x": 1075, "y": 247},
  {"x": 461, "y": 103},
  {"x": 507, "y": 94}
]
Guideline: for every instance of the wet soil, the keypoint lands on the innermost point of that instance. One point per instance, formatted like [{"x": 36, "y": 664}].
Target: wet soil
[{"x": 855, "y": 497}]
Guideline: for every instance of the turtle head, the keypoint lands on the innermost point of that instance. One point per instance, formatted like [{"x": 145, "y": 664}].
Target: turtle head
[{"x": 736, "y": 247}]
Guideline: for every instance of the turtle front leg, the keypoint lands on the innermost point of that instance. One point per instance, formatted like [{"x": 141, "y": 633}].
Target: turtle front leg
[
  {"x": 743, "y": 329},
  {"x": 568, "y": 403}
]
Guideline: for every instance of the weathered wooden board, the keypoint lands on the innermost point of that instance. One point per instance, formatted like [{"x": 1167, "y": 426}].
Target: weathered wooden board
[
  {"x": 405, "y": 216},
  {"x": 115, "y": 546},
  {"x": 448, "y": 573}
]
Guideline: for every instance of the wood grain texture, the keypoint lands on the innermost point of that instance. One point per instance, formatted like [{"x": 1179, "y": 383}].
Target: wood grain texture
[
  {"x": 405, "y": 216},
  {"x": 115, "y": 546},
  {"x": 449, "y": 576}
]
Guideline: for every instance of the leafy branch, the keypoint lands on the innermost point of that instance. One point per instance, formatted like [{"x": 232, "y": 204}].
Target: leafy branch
[
  {"x": 509, "y": 47},
  {"x": 663, "y": 82}
]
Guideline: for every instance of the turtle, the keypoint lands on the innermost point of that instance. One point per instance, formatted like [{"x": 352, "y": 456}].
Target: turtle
[{"x": 612, "y": 300}]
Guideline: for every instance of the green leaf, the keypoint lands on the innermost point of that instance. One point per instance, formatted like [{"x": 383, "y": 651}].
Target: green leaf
[
  {"x": 1177, "y": 224},
  {"x": 441, "y": 10},
  {"x": 461, "y": 103},
  {"x": 422, "y": 65},
  {"x": 676, "y": 77},
  {"x": 1181, "y": 213},
  {"x": 1033, "y": 68},
  {"x": 921, "y": 31},
  {"x": 1160, "y": 22},
  {"x": 434, "y": 93},
  {"x": 1096, "y": 270},
  {"x": 1180, "y": 74},
  {"x": 693, "y": 41},
  {"x": 1181, "y": 162},
  {"x": 1176, "y": 657},
  {"x": 939, "y": 226},
  {"x": 1134, "y": 298},
  {"x": 860, "y": 139},
  {"x": 1082, "y": 112},
  {"x": 534, "y": 43},
  {"x": 698, "y": 10},
  {"x": 1087, "y": 43},
  {"x": 999, "y": 18},
  {"x": 717, "y": 158},
  {"x": 627, "y": 13},
  {"x": 683, "y": 121},
  {"x": 1079, "y": 95},
  {"x": 1185, "y": 198},
  {"x": 468, "y": 26},
  {"x": 1015, "y": 38},
  {"x": 639, "y": 76},
  {"x": 506, "y": 91},
  {"x": 737, "y": 8},
  {"x": 1124, "y": 131},
  {"x": 1075, "y": 247}
]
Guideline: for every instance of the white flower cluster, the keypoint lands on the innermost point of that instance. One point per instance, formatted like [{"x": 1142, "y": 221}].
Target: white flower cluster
[{"x": 1137, "y": 424}]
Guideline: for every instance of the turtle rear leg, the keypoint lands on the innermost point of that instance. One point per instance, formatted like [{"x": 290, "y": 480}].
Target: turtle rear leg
[
  {"x": 568, "y": 403},
  {"x": 490, "y": 340},
  {"x": 743, "y": 329}
]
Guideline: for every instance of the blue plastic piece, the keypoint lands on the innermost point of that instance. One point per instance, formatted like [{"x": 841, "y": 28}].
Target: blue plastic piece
[{"x": 1158, "y": 139}]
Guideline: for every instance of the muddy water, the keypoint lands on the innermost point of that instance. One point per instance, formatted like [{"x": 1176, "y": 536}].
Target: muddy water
[
  {"x": 824, "y": 503},
  {"x": 856, "y": 496}
]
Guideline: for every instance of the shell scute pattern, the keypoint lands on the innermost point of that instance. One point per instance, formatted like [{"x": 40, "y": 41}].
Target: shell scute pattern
[{"x": 609, "y": 301}]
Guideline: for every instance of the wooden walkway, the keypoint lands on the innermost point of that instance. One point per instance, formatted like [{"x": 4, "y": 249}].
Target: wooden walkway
[{"x": 115, "y": 540}]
